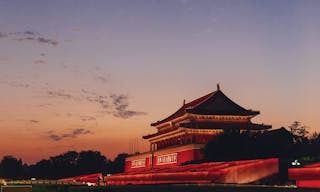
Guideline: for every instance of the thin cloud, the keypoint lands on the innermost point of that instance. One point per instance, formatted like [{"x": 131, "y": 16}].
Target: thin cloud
[
  {"x": 102, "y": 79},
  {"x": 92, "y": 97},
  {"x": 34, "y": 121},
  {"x": 117, "y": 105},
  {"x": 59, "y": 94},
  {"x": 29, "y": 33},
  {"x": 38, "y": 40},
  {"x": 121, "y": 104},
  {"x": 47, "y": 41},
  {"x": 80, "y": 131},
  {"x": 16, "y": 84},
  {"x": 100, "y": 75},
  {"x": 44, "y": 105},
  {"x": 65, "y": 66},
  {"x": 3, "y": 35},
  {"x": 102, "y": 113},
  {"x": 39, "y": 62},
  {"x": 29, "y": 36},
  {"x": 87, "y": 118},
  {"x": 71, "y": 135},
  {"x": 100, "y": 100},
  {"x": 69, "y": 114},
  {"x": 25, "y": 38},
  {"x": 19, "y": 84}
]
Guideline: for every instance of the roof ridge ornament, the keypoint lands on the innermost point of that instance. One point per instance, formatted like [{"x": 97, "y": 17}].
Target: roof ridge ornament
[
  {"x": 184, "y": 102},
  {"x": 218, "y": 87}
]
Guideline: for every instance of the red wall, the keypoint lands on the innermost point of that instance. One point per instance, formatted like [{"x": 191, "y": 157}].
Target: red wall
[
  {"x": 189, "y": 155},
  {"x": 245, "y": 171},
  {"x": 308, "y": 183},
  {"x": 182, "y": 156},
  {"x": 129, "y": 169},
  {"x": 308, "y": 177}
]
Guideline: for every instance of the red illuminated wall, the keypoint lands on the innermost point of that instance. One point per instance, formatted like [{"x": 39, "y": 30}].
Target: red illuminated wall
[
  {"x": 211, "y": 172},
  {"x": 92, "y": 178},
  {"x": 183, "y": 154},
  {"x": 308, "y": 183},
  {"x": 306, "y": 177},
  {"x": 128, "y": 167}
]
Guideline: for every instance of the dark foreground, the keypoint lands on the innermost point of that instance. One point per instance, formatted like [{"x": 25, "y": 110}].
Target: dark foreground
[{"x": 166, "y": 188}]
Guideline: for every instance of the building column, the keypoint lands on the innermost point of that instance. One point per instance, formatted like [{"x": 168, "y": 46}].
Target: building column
[
  {"x": 184, "y": 139},
  {"x": 194, "y": 139},
  {"x": 153, "y": 146}
]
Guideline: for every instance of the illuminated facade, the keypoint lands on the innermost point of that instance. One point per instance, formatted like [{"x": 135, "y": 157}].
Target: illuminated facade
[
  {"x": 307, "y": 176},
  {"x": 181, "y": 136}
]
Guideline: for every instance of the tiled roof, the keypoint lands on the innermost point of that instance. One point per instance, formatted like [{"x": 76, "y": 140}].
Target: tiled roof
[
  {"x": 224, "y": 125},
  {"x": 214, "y": 103},
  {"x": 182, "y": 109}
]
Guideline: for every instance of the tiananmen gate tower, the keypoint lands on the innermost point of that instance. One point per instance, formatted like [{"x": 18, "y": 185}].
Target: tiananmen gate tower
[{"x": 181, "y": 136}]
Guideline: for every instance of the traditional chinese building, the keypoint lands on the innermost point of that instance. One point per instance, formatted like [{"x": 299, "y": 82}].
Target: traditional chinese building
[{"x": 180, "y": 136}]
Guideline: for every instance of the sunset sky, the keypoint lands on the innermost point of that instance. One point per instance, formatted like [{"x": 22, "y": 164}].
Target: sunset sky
[{"x": 93, "y": 74}]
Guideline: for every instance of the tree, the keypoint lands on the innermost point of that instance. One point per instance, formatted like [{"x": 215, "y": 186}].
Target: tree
[
  {"x": 315, "y": 138},
  {"x": 91, "y": 162},
  {"x": 11, "y": 168},
  {"x": 64, "y": 165},
  {"x": 237, "y": 146},
  {"x": 118, "y": 164},
  {"x": 275, "y": 143},
  {"x": 68, "y": 164},
  {"x": 42, "y": 169},
  {"x": 299, "y": 131},
  {"x": 314, "y": 145},
  {"x": 231, "y": 146}
]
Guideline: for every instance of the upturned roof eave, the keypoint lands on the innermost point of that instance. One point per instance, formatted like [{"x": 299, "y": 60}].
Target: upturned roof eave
[
  {"x": 183, "y": 108},
  {"x": 244, "y": 113}
]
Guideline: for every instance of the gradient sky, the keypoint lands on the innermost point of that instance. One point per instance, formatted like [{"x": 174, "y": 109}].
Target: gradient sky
[{"x": 79, "y": 74}]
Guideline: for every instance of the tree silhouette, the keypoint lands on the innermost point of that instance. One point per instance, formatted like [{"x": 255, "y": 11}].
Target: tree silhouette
[
  {"x": 117, "y": 166},
  {"x": 246, "y": 145},
  {"x": 299, "y": 131},
  {"x": 91, "y": 162},
  {"x": 42, "y": 169},
  {"x": 64, "y": 165},
  {"x": 11, "y": 167},
  {"x": 68, "y": 164},
  {"x": 233, "y": 146}
]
